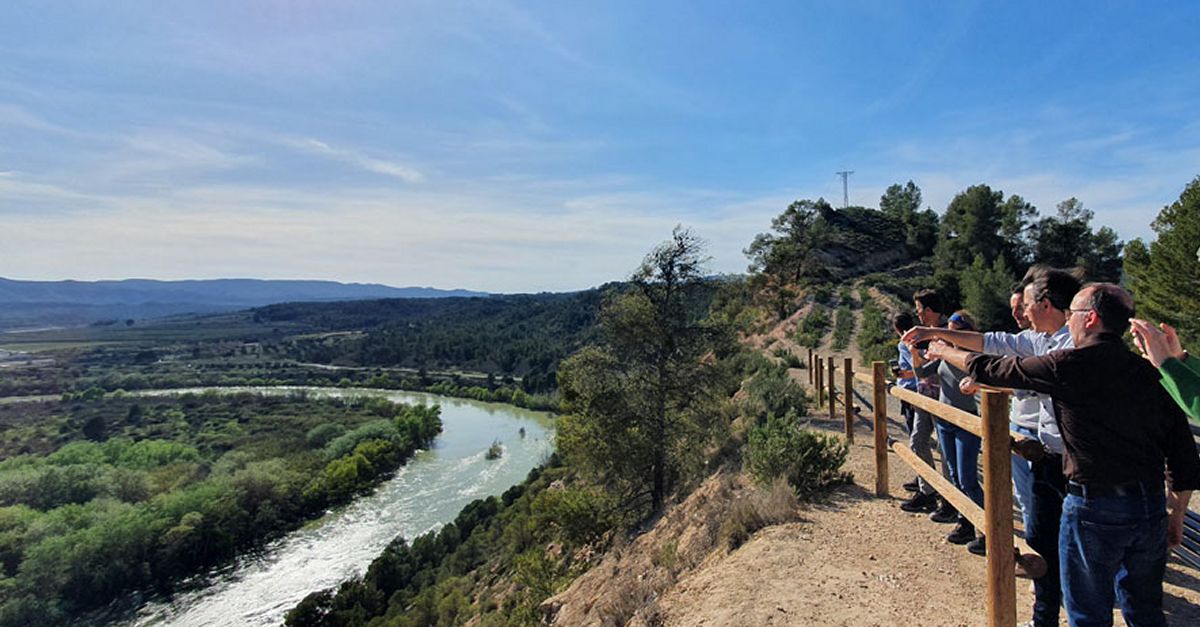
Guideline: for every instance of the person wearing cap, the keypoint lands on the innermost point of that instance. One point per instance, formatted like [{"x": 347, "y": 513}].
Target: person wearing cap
[{"x": 1120, "y": 430}]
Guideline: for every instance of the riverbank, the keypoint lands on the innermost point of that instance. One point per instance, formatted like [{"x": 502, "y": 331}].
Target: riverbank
[{"x": 197, "y": 451}]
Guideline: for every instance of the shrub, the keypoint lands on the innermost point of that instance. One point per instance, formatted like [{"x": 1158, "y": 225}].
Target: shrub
[
  {"x": 772, "y": 391},
  {"x": 578, "y": 516},
  {"x": 812, "y": 327},
  {"x": 810, "y": 461},
  {"x": 790, "y": 359},
  {"x": 843, "y": 328},
  {"x": 375, "y": 430},
  {"x": 323, "y": 434},
  {"x": 876, "y": 340},
  {"x": 154, "y": 453}
]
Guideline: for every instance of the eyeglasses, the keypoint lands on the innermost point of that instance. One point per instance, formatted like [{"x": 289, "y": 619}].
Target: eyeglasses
[{"x": 1075, "y": 311}]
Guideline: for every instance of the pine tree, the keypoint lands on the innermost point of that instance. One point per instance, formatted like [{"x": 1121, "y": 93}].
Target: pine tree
[
  {"x": 985, "y": 291},
  {"x": 1165, "y": 276},
  {"x": 1066, "y": 239},
  {"x": 640, "y": 407}
]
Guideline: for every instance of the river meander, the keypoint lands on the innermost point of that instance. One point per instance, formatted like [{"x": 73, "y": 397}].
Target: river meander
[{"x": 426, "y": 493}]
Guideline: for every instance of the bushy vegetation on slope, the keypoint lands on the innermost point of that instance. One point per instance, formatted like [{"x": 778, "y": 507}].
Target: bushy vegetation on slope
[{"x": 139, "y": 492}]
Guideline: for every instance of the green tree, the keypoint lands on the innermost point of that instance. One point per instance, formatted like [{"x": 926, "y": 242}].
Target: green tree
[
  {"x": 1067, "y": 239},
  {"x": 790, "y": 250},
  {"x": 640, "y": 407},
  {"x": 979, "y": 221},
  {"x": 901, "y": 202},
  {"x": 985, "y": 291},
  {"x": 1016, "y": 220},
  {"x": 920, "y": 227},
  {"x": 1165, "y": 276}
]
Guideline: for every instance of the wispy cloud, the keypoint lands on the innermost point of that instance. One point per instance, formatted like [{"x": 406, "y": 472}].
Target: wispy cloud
[
  {"x": 370, "y": 164},
  {"x": 13, "y": 115}
]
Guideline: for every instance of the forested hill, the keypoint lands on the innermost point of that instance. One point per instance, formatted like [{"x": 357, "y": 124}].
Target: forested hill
[{"x": 518, "y": 335}]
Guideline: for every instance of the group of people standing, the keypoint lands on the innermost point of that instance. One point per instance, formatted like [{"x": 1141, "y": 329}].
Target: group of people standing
[{"x": 1116, "y": 464}]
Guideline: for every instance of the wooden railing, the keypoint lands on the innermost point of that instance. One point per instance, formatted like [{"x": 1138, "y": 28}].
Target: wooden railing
[{"x": 1005, "y": 550}]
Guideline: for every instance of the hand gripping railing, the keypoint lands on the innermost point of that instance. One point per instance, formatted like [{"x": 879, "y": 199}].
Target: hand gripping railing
[{"x": 995, "y": 518}]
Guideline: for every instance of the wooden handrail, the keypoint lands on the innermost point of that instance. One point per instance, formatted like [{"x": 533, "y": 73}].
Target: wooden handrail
[
  {"x": 1033, "y": 563},
  {"x": 1022, "y": 445},
  {"x": 963, "y": 419}
]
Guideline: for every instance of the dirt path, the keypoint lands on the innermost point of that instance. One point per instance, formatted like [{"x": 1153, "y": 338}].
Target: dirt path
[{"x": 859, "y": 560}]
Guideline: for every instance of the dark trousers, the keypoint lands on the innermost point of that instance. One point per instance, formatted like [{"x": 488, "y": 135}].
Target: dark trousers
[
  {"x": 1121, "y": 539},
  {"x": 1049, "y": 489},
  {"x": 908, "y": 411}
]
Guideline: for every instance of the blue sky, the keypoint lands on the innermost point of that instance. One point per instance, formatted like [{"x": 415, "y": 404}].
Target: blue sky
[{"x": 531, "y": 146}]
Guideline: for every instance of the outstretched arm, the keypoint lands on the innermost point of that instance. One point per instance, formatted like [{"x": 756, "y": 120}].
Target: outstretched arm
[
  {"x": 956, "y": 357},
  {"x": 1025, "y": 373},
  {"x": 970, "y": 340}
]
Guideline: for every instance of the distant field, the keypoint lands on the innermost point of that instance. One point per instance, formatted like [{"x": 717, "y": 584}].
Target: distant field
[
  {"x": 223, "y": 327},
  {"x": 39, "y": 346}
]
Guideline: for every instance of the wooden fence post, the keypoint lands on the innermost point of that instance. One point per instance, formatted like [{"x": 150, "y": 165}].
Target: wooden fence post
[
  {"x": 811, "y": 380},
  {"x": 848, "y": 384},
  {"x": 997, "y": 506},
  {"x": 832, "y": 390},
  {"x": 819, "y": 374},
  {"x": 878, "y": 370}
]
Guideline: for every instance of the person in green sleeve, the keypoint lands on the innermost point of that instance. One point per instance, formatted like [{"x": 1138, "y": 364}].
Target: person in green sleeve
[{"x": 1180, "y": 371}]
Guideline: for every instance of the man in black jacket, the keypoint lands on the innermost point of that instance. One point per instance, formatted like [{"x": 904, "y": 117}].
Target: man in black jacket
[{"x": 1118, "y": 426}]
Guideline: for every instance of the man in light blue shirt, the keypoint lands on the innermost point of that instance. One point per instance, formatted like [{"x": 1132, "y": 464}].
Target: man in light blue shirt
[{"x": 1046, "y": 300}]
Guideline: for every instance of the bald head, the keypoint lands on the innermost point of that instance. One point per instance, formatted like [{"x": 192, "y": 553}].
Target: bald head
[{"x": 1112, "y": 304}]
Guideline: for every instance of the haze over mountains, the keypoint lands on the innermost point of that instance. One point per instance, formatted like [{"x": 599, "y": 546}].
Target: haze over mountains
[{"x": 33, "y": 304}]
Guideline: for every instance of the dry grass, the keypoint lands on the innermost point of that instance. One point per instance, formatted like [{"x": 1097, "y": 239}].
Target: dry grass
[
  {"x": 757, "y": 509},
  {"x": 625, "y": 587}
]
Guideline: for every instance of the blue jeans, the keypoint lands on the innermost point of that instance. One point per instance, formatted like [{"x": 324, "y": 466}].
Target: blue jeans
[
  {"x": 1114, "y": 546},
  {"x": 1022, "y": 475},
  {"x": 1045, "y": 514},
  {"x": 960, "y": 454}
]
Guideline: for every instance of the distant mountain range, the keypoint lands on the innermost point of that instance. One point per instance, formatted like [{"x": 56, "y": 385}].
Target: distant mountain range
[{"x": 33, "y": 304}]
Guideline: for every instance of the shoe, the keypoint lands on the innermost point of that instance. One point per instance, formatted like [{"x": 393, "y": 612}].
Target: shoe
[
  {"x": 978, "y": 546},
  {"x": 920, "y": 503},
  {"x": 963, "y": 533},
  {"x": 945, "y": 513},
  {"x": 912, "y": 486}
]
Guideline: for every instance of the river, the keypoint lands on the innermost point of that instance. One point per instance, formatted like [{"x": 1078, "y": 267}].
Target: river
[{"x": 426, "y": 493}]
